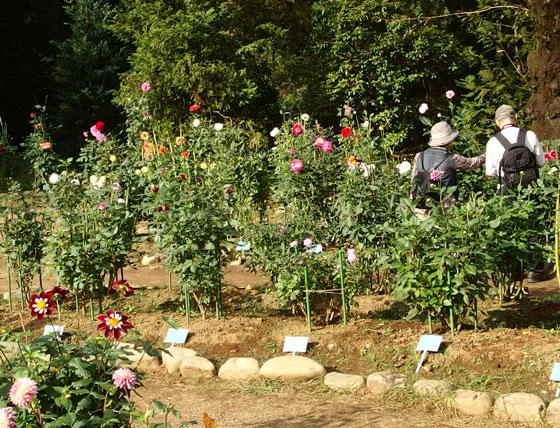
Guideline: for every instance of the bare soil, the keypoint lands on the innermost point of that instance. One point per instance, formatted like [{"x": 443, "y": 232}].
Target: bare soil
[{"x": 513, "y": 350}]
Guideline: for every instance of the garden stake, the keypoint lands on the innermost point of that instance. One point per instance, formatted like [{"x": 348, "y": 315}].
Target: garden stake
[
  {"x": 556, "y": 238},
  {"x": 187, "y": 306},
  {"x": 475, "y": 314},
  {"x": 307, "y": 307},
  {"x": 20, "y": 283},
  {"x": 451, "y": 320},
  {"x": 91, "y": 306},
  {"x": 77, "y": 304},
  {"x": 40, "y": 279},
  {"x": 430, "y": 322},
  {"x": 341, "y": 258},
  {"x": 9, "y": 285},
  {"x": 169, "y": 282}
]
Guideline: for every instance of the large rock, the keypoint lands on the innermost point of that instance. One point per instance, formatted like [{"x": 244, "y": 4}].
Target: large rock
[
  {"x": 471, "y": 403},
  {"x": 519, "y": 407},
  {"x": 553, "y": 413},
  {"x": 380, "y": 382},
  {"x": 432, "y": 386},
  {"x": 139, "y": 360},
  {"x": 172, "y": 358},
  {"x": 148, "y": 260},
  {"x": 343, "y": 382},
  {"x": 194, "y": 367},
  {"x": 290, "y": 367},
  {"x": 239, "y": 369}
]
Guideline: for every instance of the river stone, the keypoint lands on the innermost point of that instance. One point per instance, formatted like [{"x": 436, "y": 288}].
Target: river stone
[
  {"x": 239, "y": 369},
  {"x": 380, "y": 382},
  {"x": 432, "y": 386},
  {"x": 172, "y": 358},
  {"x": 150, "y": 260},
  {"x": 290, "y": 367},
  {"x": 194, "y": 367},
  {"x": 343, "y": 382},
  {"x": 519, "y": 407},
  {"x": 471, "y": 403},
  {"x": 553, "y": 413},
  {"x": 139, "y": 360}
]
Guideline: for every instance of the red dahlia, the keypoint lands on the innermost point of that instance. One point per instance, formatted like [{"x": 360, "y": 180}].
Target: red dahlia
[
  {"x": 122, "y": 287},
  {"x": 114, "y": 323},
  {"x": 41, "y": 304}
]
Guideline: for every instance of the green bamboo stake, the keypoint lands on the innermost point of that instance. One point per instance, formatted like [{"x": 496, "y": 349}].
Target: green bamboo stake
[
  {"x": 20, "y": 284},
  {"x": 307, "y": 305},
  {"x": 475, "y": 314},
  {"x": 187, "y": 306},
  {"x": 91, "y": 306},
  {"x": 430, "y": 323},
  {"x": 10, "y": 285},
  {"x": 169, "y": 282},
  {"x": 341, "y": 259},
  {"x": 77, "y": 304},
  {"x": 451, "y": 319},
  {"x": 40, "y": 279}
]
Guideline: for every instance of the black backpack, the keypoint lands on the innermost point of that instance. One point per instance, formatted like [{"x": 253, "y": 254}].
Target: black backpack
[
  {"x": 518, "y": 163},
  {"x": 424, "y": 182}
]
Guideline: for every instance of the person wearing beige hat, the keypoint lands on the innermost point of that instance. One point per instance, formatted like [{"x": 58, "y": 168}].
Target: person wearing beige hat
[
  {"x": 509, "y": 135},
  {"x": 436, "y": 164},
  {"x": 500, "y": 163}
]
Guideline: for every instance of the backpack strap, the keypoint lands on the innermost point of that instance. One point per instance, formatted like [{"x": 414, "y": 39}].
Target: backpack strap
[
  {"x": 521, "y": 136},
  {"x": 504, "y": 141}
]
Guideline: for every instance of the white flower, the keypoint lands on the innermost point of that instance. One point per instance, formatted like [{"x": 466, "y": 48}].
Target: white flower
[
  {"x": 137, "y": 172},
  {"x": 423, "y": 108},
  {"x": 450, "y": 94},
  {"x": 404, "y": 167},
  {"x": 93, "y": 179},
  {"x": 54, "y": 178},
  {"x": 113, "y": 158},
  {"x": 365, "y": 124},
  {"x": 75, "y": 181},
  {"x": 367, "y": 169},
  {"x": 196, "y": 123},
  {"x": 97, "y": 181},
  {"x": 274, "y": 132},
  {"x": 218, "y": 126},
  {"x": 438, "y": 115},
  {"x": 305, "y": 117},
  {"x": 144, "y": 169}
]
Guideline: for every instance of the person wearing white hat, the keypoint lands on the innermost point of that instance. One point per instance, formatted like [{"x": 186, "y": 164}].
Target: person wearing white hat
[{"x": 436, "y": 164}]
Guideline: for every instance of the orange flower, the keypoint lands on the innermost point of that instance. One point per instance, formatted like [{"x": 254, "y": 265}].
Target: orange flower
[
  {"x": 162, "y": 150},
  {"x": 144, "y": 135},
  {"x": 45, "y": 145},
  {"x": 185, "y": 154}
]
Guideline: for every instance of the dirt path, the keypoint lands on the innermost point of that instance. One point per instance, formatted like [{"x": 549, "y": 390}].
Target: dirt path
[{"x": 233, "y": 407}]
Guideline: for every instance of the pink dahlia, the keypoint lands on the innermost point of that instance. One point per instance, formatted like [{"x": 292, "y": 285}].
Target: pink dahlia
[
  {"x": 319, "y": 141},
  {"x": 124, "y": 378},
  {"x": 23, "y": 391},
  {"x": 435, "y": 175},
  {"x": 450, "y": 94},
  {"x": 327, "y": 146},
  {"x": 146, "y": 87},
  {"x": 7, "y": 418},
  {"x": 351, "y": 255},
  {"x": 296, "y": 165},
  {"x": 307, "y": 242}
]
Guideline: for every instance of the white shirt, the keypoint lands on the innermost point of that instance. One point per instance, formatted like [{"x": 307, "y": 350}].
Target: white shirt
[{"x": 495, "y": 150}]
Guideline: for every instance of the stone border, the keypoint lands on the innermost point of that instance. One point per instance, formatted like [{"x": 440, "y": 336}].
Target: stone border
[{"x": 513, "y": 407}]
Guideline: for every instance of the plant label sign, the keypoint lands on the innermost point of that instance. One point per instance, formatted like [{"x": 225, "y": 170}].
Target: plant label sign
[
  {"x": 56, "y": 329},
  {"x": 295, "y": 344},
  {"x": 427, "y": 343},
  {"x": 555, "y": 376},
  {"x": 176, "y": 335}
]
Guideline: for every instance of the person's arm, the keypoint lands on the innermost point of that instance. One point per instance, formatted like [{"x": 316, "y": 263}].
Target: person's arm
[
  {"x": 412, "y": 194},
  {"x": 461, "y": 162},
  {"x": 491, "y": 161},
  {"x": 537, "y": 148}
]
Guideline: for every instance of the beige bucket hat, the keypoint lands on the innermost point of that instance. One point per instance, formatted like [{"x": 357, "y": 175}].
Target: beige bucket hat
[{"x": 442, "y": 134}]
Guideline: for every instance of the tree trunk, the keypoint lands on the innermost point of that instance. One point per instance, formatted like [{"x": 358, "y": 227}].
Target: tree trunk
[{"x": 543, "y": 75}]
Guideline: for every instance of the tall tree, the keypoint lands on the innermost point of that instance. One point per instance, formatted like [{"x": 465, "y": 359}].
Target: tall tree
[{"x": 544, "y": 69}]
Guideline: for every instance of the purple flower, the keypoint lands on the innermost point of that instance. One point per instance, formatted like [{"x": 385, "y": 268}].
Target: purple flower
[
  {"x": 146, "y": 87},
  {"x": 435, "y": 175}
]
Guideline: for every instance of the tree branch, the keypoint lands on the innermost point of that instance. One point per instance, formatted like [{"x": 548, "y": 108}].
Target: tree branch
[{"x": 473, "y": 12}]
